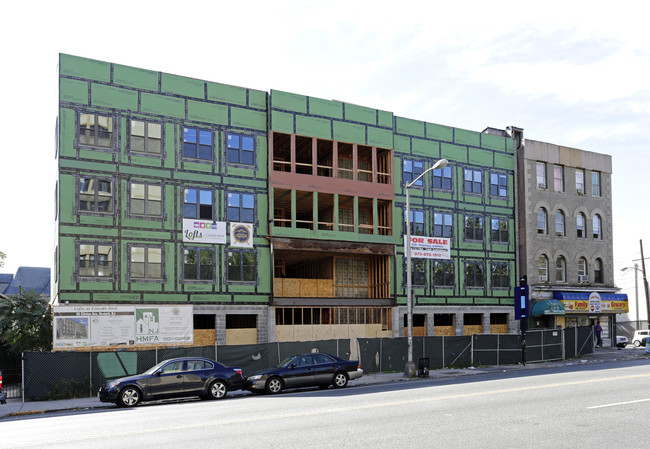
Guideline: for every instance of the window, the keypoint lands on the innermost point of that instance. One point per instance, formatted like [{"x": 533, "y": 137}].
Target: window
[
  {"x": 241, "y": 207},
  {"x": 96, "y": 130},
  {"x": 95, "y": 260},
  {"x": 499, "y": 230},
  {"x": 500, "y": 275},
  {"x": 146, "y": 199},
  {"x": 95, "y": 195},
  {"x": 443, "y": 273},
  {"x": 542, "y": 268},
  {"x": 542, "y": 221},
  {"x": 473, "y": 181},
  {"x": 582, "y": 269},
  {"x": 412, "y": 169},
  {"x": 595, "y": 183},
  {"x": 417, "y": 222},
  {"x": 197, "y": 143},
  {"x": 241, "y": 266},
  {"x": 146, "y": 137},
  {"x": 473, "y": 228},
  {"x": 442, "y": 178},
  {"x": 198, "y": 264},
  {"x": 597, "y": 227},
  {"x": 474, "y": 274},
  {"x": 581, "y": 226},
  {"x": 498, "y": 184},
  {"x": 442, "y": 225},
  {"x": 240, "y": 149},
  {"x": 598, "y": 271},
  {"x": 560, "y": 269},
  {"x": 559, "y": 223},
  {"x": 580, "y": 182},
  {"x": 146, "y": 262},
  {"x": 197, "y": 203},
  {"x": 418, "y": 271},
  {"x": 541, "y": 175},
  {"x": 558, "y": 178}
]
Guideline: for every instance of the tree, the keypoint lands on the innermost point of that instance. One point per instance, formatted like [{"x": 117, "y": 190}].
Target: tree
[
  {"x": 25, "y": 323},
  {"x": 2, "y": 259}
]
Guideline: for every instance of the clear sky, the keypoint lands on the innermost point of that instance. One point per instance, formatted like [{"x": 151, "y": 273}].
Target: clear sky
[{"x": 572, "y": 73}]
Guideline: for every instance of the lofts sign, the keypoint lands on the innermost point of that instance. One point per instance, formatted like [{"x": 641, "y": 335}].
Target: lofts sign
[
  {"x": 429, "y": 247},
  {"x": 108, "y": 325},
  {"x": 204, "y": 231}
]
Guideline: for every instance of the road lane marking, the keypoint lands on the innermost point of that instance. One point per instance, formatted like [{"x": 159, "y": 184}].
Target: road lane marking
[
  {"x": 254, "y": 419},
  {"x": 617, "y": 404}
]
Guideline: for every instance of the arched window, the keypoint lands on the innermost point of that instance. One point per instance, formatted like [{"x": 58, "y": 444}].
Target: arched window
[
  {"x": 542, "y": 269},
  {"x": 559, "y": 223},
  {"x": 598, "y": 271},
  {"x": 560, "y": 269},
  {"x": 583, "y": 275},
  {"x": 542, "y": 221},
  {"x": 597, "y": 227},
  {"x": 581, "y": 225}
]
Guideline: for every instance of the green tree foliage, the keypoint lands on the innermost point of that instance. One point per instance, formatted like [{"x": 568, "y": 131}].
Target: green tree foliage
[
  {"x": 2, "y": 259},
  {"x": 25, "y": 323}
]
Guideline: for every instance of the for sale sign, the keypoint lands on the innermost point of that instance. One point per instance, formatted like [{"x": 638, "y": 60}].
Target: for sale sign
[{"x": 429, "y": 247}]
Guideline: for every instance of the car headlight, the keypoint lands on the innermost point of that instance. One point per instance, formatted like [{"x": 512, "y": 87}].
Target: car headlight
[
  {"x": 256, "y": 377},
  {"x": 113, "y": 385}
]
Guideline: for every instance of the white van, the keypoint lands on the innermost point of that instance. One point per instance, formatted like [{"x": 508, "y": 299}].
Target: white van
[{"x": 639, "y": 336}]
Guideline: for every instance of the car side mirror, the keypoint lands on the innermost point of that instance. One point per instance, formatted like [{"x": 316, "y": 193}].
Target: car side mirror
[{"x": 293, "y": 365}]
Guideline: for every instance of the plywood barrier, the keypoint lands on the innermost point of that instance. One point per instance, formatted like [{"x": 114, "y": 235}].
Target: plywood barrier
[
  {"x": 241, "y": 336},
  {"x": 473, "y": 329},
  {"x": 444, "y": 331},
  {"x": 499, "y": 328}
]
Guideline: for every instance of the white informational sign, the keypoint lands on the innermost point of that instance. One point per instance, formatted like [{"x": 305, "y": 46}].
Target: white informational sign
[
  {"x": 595, "y": 303},
  {"x": 241, "y": 235},
  {"x": 105, "y": 325},
  {"x": 429, "y": 247},
  {"x": 204, "y": 231}
]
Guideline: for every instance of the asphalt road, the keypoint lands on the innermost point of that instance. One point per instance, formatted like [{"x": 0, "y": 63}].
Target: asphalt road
[{"x": 603, "y": 405}]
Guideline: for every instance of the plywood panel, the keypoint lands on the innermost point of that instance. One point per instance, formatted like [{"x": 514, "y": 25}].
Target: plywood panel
[
  {"x": 444, "y": 331},
  {"x": 241, "y": 336},
  {"x": 204, "y": 337},
  {"x": 473, "y": 329},
  {"x": 499, "y": 328},
  {"x": 283, "y": 333}
]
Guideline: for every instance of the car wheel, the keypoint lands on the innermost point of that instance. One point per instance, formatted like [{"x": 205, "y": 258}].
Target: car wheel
[
  {"x": 217, "y": 390},
  {"x": 340, "y": 379},
  {"x": 637, "y": 343},
  {"x": 274, "y": 385},
  {"x": 129, "y": 397}
]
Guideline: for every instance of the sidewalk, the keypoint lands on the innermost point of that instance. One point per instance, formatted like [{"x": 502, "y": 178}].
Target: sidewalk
[{"x": 15, "y": 407}]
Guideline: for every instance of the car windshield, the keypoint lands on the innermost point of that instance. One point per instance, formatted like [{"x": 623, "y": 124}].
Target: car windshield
[
  {"x": 155, "y": 367},
  {"x": 286, "y": 362}
]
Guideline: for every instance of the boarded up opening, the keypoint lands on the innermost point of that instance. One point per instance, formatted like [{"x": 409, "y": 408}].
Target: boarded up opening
[
  {"x": 204, "y": 329},
  {"x": 419, "y": 325},
  {"x": 472, "y": 323},
  {"x": 241, "y": 329},
  {"x": 499, "y": 323},
  {"x": 443, "y": 325}
]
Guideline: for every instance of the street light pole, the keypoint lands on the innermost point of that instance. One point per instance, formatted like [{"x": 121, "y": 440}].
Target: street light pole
[
  {"x": 636, "y": 289},
  {"x": 410, "y": 366}
]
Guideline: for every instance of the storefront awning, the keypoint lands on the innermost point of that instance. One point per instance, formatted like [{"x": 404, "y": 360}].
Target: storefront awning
[
  {"x": 547, "y": 307},
  {"x": 592, "y": 302},
  {"x": 584, "y": 296}
]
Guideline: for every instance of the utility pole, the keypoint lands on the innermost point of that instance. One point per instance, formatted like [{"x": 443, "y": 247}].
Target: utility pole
[{"x": 645, "y": 284}]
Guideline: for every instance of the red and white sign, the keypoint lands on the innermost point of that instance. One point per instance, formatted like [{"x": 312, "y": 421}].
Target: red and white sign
[{"x": 429, "y": 247}]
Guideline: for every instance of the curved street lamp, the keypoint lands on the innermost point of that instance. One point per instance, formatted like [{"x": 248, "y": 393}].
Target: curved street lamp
[{"x": 410, "y": 366}]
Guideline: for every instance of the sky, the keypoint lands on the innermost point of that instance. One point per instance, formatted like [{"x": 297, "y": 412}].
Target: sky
[{"x": 572, "y": 73}]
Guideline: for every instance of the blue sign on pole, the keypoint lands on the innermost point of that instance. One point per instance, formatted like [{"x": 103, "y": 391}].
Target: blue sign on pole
[{"x": 522, "y": 308}]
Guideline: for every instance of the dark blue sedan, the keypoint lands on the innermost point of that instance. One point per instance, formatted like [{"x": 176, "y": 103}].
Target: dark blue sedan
[
  {"x": 305, "y": 370},
  {"x": 180, "y": 377}
]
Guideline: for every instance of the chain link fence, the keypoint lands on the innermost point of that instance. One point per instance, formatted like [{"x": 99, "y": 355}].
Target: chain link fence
[
  {"x": 390, "y": 354},
  {"x": 59, "y": 375}
]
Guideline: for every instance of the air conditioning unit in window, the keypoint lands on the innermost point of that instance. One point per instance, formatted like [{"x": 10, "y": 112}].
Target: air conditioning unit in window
[
  {"x": 583, "y": 278},
  {"x": 543, "y": 278},
  {"x": 580, "y": 192},
  {"x": 541, "y": 186}
]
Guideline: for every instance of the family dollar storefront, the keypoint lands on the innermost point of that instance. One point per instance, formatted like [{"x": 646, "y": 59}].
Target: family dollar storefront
[{"x": 587, "y": 308}]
